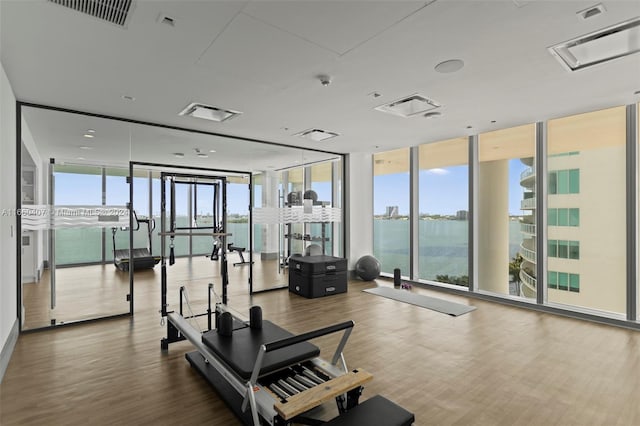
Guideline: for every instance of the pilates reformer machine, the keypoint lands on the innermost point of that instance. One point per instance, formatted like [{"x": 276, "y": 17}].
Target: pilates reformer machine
[{"x": 265, "y": 374}]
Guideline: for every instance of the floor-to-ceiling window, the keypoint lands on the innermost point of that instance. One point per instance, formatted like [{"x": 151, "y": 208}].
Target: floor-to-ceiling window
[
  {"x": 77, "y": 186},
  {"x": 586, "y": 254},
  {"x": 321, "y": 185},
  {"x": 444, "y": 207},
  {"x": 506, "y": 203},
  {"x": 391, "y": 195}
]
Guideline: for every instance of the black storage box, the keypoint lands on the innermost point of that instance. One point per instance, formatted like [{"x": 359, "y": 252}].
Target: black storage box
[
  {"x": 317, "y": 276},
  {"x": 312, "y": 286},
  {"x": 312, "y": 265}
]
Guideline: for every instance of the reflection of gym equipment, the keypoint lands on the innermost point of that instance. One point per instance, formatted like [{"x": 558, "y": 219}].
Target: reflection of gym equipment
[
  {"x": 142, "y": 257},
  {"x": 307, "y": 200},
  {"x": 240, "y": 250}
]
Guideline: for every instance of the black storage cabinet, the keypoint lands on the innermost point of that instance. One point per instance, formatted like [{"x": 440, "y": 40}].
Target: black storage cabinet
[{"x": 317, "y": 276}]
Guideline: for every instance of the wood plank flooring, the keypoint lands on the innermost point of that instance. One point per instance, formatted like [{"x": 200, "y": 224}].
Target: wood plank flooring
[
  {"x": 497, "y": 365},
  {"x": 87, "y": 292}
]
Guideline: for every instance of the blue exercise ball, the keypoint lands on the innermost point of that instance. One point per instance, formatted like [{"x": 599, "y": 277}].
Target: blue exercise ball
[{"x": 368, "y": 268}]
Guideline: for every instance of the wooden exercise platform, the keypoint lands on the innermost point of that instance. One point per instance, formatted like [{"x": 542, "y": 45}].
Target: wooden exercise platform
[{"x": 306, "y": 400}]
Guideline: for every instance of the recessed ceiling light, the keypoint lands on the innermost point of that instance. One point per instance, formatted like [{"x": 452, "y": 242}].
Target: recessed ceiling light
[
  {"x": 87, "y": 148},
  {"x": 317, "y": 135},
  {"x": 178, "y": 154},
  {"x": 433, "y": 114},
  {"x": 469, "y": 127},
  {"x": 203, "y": 155},
  {"x": 128, "y": 98},
  {"x": 409, "y": 106},
  {"x": 451, "y": 65},
  {"x": 88, "y": 135},
  {"x": 212, "y": 150},
  {"x": 601, "y": 46},
  {"x": 208, "y": 112},
  {"x": 493, "y": 121},
  {"x": 91, "y": 131},
  {"x": 80, "y": 158},
  {"x": 637, "y": 92}
]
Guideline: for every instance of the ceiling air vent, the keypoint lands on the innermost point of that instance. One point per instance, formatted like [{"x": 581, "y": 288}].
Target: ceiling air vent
[
  {"x": 208, "y": 112},
  {"x": 317, "y": 135},
  {"x": 600, "y": 46},
  {"x": 114, "y": 11},
  {"x": 409, "y": 106}
]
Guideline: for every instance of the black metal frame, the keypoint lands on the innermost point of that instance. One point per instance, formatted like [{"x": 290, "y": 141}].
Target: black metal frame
[{"x": 20, "y": 104}]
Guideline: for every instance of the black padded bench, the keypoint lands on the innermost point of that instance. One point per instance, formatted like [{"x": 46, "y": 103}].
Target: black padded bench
[
  {"x": 240, "y": 250},
  {"x": 378, "y": 411},
  {"x": 240, "y": 351}
]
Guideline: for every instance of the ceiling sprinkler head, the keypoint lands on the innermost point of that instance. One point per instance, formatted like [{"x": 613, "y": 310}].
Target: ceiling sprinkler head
[{"x": 325, "y": 80}]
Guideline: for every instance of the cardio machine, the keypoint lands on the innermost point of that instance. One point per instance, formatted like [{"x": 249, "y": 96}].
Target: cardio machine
[{"x": 142, "y": 257}]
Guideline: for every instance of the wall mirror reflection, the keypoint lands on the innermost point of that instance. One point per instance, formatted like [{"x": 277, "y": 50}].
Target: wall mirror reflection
[{"x": 80, "y": 173}]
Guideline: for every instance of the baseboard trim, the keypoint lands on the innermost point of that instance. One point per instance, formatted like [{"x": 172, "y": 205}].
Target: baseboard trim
[{"x": 7, "y": 349}]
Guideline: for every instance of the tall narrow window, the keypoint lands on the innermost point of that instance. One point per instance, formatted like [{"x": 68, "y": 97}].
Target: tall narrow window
[
  {"x": 443, "y": 208},
  {"x": 506, "y": 216},
  {"x": 391, "y": 239},
  {"x": 587, "y": 154}
]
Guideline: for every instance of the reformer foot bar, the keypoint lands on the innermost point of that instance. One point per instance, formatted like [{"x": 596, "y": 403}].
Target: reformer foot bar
[{"x": 284, "y": 377}]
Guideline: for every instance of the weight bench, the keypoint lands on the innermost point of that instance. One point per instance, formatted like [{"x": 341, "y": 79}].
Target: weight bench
[
  {"x": 240, "y": 250},
  {"x": 378, "y": 411}
]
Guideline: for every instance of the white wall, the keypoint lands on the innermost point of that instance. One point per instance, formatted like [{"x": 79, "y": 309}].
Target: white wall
[
  {"x": 8, "y": 277},
  {"x": 359, "y": 214},
  {"x": 40, "y": 194}
]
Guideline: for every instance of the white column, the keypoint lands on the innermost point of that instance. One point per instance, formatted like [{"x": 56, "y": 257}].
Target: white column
[
  {"x": 493, "y": 232},
  {"x": 359, "y": 206}
]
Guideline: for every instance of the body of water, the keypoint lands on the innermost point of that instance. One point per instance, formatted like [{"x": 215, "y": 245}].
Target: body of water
[{"x": 443, "y": 246}]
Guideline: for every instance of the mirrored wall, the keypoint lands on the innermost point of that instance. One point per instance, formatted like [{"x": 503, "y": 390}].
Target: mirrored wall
[{"x": 80, "y": 174}]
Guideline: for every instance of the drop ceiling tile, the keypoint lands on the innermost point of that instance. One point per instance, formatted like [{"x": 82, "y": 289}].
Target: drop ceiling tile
[
  {"x": 336, "y": 26},
  {"x": 252, "y": 51}
]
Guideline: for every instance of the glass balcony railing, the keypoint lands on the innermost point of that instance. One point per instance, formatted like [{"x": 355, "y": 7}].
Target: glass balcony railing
[
  {"x": 529, "y": 255},
  {"x": 528, "y": 172},
  {"x": 528, "y": 203},
  {"x": 528, "y": 228}
]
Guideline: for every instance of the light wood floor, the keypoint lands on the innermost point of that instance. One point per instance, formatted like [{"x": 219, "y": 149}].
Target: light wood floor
[
  {"x": 88, "y": 292},
  {"x": 497, "y": 365}
]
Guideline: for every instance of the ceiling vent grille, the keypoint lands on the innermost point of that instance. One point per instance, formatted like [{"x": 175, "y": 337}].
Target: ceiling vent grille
[
  {"x": 598, "y": 47},
  {"x": 208, "y": 112},
  {"x": 409, "y": 106},
  {"x": 317, "y": 135},
  {"x": 114, "y": 11}
]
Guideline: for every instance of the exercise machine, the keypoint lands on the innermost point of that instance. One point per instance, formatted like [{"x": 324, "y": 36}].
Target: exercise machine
[
  {"x": 265, "y": 374},
  {"x": 269, "y": 376},
  {"x": 142, "y": 257}
]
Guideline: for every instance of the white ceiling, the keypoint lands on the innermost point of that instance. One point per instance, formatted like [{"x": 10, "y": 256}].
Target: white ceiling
[{"x": 264, "y": 58}]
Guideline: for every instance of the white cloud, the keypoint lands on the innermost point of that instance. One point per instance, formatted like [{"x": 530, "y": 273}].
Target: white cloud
[{"x": 439, "y": 171}]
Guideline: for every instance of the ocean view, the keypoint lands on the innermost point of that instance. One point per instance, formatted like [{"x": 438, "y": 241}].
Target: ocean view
[
  {"x": 443, "y": 244},
  {"x": 443, "y": 248}
]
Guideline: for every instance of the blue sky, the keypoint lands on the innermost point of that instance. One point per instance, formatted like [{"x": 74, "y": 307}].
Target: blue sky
[
  {"x": 74, "y": 189},
  {"x": 442, "y": 191}
]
